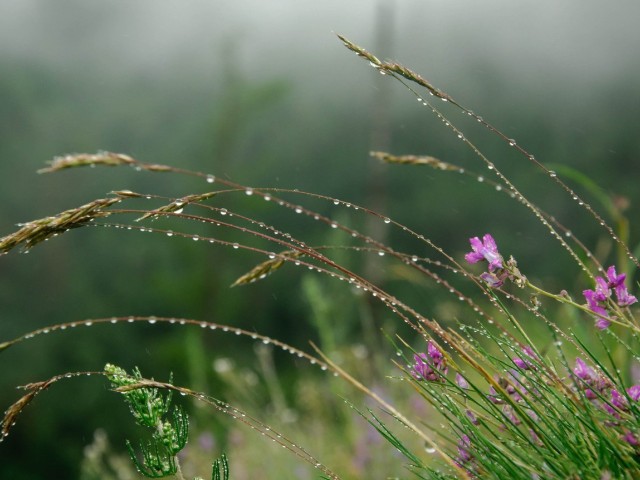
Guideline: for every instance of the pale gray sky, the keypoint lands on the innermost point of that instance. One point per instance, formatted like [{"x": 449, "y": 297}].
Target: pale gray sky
[{"x": 577, "y": 38}]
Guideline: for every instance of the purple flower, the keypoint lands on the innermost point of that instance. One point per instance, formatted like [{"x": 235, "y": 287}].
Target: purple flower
[
  {"x": 485, "y": 250},
  {"x": 462, "y": 382},
  {"x": 464, "y": 447},
  {"x": 593, "y": 302},
  {"x": 623, "y": 296},
  {"x": 535, "y": 439},
  {"x": 508, "y": 412},
  {"x": 583, "y": 371},
  {"x": 618, "y": 400},
  {"x": 434, "y": 353},
  {"x": 430, "y": 366},
  {"x": 596, "y": 303},
  {"x": 593, "y": 384},
  {"x": 634, "y": 393},
  {"x": 421, "y": 369},
  {"x": 598, "y": 299},
  {"x": 603, "y": 291},
  {"x": 615, "y": 280},
  {"x": 493, "y": 280},
  {"x": 522, "y": 364},
  {"x": 602, "y": 323},
  {"x": 472, "y": 417},
  {"x": 630, "y": 438},
  {"x": 493, "y": 396}
]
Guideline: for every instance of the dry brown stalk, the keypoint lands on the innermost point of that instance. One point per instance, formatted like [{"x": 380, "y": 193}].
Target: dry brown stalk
[{"x": 36, "y": 231}]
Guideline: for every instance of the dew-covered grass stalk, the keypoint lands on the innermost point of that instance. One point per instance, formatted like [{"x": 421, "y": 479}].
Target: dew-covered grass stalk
[{"x": 504, "y": 402}]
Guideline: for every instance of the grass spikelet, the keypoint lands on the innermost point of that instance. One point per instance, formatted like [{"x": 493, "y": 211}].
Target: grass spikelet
[
  {"x": 394, "y": 68},
  {"x": 177, "y": 205},
  {"x": 34, "y": 389},
  {"x": 86, "y": 159},
  {"x": 267, "y": 268},
  {"x": 414, "y": 160},
  {"x": 36, "y": 231}
]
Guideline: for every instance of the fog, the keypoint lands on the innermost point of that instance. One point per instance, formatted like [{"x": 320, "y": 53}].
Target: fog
[{"x": 535, "y": 41}]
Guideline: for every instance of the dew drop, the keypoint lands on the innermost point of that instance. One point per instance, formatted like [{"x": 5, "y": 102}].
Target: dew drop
[
  {"x": 298, "y": 210},
  {"x": 381, "y": 253},
  {"x": 552, "y": 174},
  {"x": 169, "y": 234},
  {"x": 249, "y": 191},
  {"x": 211, "y": 178},
  {"x": 481, "y": 179},
  {"x": 236, "y": 246},
  {"x": 223, "y": 211},
  {"x": 387, "y": 220},
  {"x": 334, "y": 225},
  {"x": 512, "y": 142}
]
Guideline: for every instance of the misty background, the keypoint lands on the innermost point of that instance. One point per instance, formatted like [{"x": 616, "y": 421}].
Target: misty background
[{"x": 264, "y": 94}]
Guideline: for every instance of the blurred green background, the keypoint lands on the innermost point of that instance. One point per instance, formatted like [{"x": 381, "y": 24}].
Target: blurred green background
[{"x": 263, "y": 93}]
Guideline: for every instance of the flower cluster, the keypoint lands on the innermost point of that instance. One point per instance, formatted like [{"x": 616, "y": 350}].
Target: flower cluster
[
  {"x": 498, "y": 269},
  {"x": 598, "y": 300},
  {"x": 524, "y": 363},
  {"x": 465, "y": 458},
  {"x": 600, "y": 391},
  {"x": 486, "y": 249},
  {"x": 593, "y": 384},
  {"x": 430, "y": 366}
]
